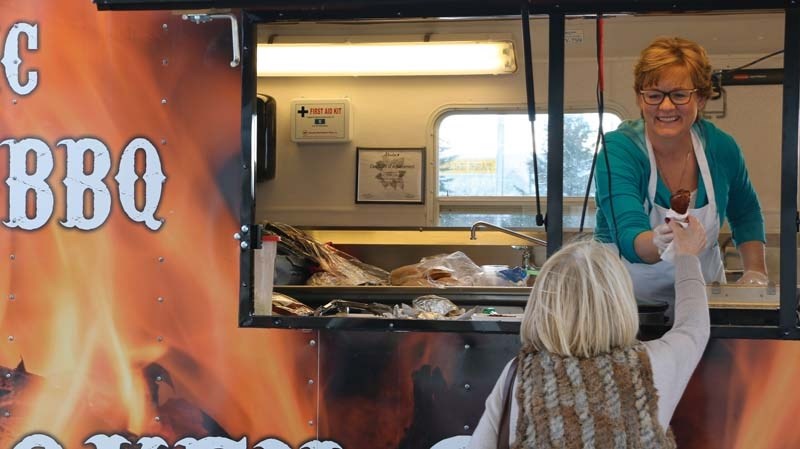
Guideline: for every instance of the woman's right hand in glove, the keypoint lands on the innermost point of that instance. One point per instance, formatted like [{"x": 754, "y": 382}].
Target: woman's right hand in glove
[{"x": 662, "y": 237}]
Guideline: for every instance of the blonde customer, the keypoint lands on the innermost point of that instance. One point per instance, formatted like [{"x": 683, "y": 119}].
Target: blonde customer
[{"x": 583, "y": 379}]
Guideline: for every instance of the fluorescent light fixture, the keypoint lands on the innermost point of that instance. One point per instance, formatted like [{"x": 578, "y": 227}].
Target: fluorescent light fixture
[{"x": 386, "y": 59}]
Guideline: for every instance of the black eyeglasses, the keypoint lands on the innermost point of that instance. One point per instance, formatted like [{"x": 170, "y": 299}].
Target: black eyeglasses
[{"x": 678, "y": 97}]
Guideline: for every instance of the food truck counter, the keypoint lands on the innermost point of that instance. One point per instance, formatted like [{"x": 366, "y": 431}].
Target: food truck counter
[
  {"x": 744, "y": 310},
  {"x": 491, "y": 308}
]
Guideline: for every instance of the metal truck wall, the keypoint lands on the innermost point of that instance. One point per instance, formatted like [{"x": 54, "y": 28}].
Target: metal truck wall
[
  {"x": 120, "y": 152},
  {"x": 414, "y": 390},
  {"x": 743, "y": 395}
]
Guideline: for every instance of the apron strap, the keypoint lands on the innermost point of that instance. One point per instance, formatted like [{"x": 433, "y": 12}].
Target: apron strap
[{"x": 705, "y": 173}]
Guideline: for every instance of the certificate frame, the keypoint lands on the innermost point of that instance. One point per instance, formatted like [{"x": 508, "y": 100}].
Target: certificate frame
[{"x": 390, "y": 175}]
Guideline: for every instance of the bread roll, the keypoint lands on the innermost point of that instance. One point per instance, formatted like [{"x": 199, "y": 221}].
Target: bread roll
[
  {"x": 401, "y": 274},
  {"x": 435, "y": 273}
]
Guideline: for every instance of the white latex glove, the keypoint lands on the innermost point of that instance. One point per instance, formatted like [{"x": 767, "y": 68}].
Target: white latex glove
[
  {"x": 751, "y": 277},
  {"x": 662, "y": 237},
  {"x": 680, "y": 218}
]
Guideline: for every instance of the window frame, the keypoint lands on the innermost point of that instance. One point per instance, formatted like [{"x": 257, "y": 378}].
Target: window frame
[{"x": 572, "y": 204}]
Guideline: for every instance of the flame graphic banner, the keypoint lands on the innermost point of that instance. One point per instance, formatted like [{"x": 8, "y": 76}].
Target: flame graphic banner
[{"x": 108, "y": 122}]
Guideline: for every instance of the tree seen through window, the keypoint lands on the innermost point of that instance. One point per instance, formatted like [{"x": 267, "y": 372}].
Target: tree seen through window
[{"x": 489, "y": 155}]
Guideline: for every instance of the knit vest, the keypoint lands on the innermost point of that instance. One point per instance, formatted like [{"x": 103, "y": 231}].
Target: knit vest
[{"x": 607, "y": 401}]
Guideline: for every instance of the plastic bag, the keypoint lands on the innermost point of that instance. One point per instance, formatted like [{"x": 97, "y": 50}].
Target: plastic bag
[
  {"x": 432, "y": 307},
  {"x": 437, "y": 271},
  {"x": 502, "y": 276},
  {"x": 437, "y": 304},
  {"x": 286, "y": 305}
]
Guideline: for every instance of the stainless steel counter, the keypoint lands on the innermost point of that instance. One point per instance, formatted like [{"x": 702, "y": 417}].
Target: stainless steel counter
[{"x": 732, "y": 296}]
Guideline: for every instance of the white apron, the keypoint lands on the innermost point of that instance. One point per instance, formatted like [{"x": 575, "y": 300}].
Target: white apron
[{"x": 657, "y": 281}]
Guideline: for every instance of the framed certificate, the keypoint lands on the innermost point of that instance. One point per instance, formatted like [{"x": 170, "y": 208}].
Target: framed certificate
[{"x": 390, "y": 175}]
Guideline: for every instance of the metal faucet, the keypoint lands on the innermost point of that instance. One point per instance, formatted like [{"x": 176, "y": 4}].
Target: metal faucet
[
  {"x": 519, "y": 235},
  {"x": 526, "y": 255}
]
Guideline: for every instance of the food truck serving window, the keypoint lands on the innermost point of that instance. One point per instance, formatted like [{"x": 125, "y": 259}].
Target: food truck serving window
[{"x": 485, "y": 166}]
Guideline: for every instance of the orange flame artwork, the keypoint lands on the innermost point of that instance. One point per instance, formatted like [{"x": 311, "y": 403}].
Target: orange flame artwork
[
  {"x": 120, "y": 148},
  {"x": 123, "y": 328}
]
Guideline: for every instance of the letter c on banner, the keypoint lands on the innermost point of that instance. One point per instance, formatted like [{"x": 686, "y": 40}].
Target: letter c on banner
[{"x": 11, "y": 59}]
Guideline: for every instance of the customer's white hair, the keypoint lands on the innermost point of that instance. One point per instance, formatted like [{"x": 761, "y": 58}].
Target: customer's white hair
[{"x": 582, "y": 303}]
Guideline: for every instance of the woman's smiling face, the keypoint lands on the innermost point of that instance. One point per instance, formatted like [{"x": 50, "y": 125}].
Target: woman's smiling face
[{"x": 667, "y": 121}]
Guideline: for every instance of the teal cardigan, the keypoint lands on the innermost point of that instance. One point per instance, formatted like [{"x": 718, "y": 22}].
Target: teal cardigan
[{"x": 630, "y": 173}]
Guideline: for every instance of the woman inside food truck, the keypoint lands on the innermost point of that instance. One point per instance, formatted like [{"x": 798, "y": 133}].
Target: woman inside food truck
[{"x": 671, "y": 156}]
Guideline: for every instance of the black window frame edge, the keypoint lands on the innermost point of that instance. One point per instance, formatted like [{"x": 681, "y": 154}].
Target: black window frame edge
[
  {"x": 393, "y": 9},
  {"x": 251, "y": 235},
  {"x": 787, "y": 321}
]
